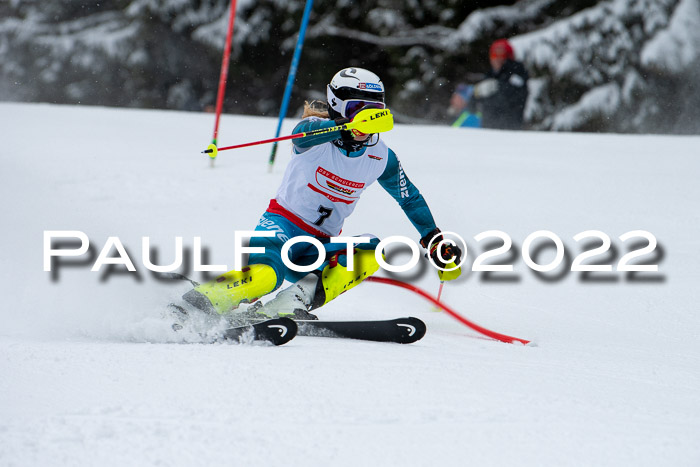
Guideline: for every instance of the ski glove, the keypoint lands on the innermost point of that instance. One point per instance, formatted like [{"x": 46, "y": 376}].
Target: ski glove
[
  {"x": 445, "y": 255},
  {"x": 486, "y": 88}
]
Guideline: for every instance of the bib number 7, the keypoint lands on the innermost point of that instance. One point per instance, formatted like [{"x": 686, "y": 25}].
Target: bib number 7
[{"x": 325, "y": 214}]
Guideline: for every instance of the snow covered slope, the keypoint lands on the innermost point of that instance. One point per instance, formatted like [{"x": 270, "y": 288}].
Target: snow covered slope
[{"x": 92, "y": 374}]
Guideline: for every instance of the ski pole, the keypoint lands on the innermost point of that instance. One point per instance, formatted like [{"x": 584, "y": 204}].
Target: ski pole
[
  {"x": 366, "y": 121},
  {"x": 439, "y": 294},
  {"x": 213, "y": 149}
]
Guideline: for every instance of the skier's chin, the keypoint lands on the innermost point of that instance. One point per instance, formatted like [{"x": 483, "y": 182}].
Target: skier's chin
[{"x": 361, "y": 137}]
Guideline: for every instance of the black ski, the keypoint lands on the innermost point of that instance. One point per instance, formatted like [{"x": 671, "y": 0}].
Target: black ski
[
  {"x": 401, "y": 330},
  {"x": 277, "y": 331}
]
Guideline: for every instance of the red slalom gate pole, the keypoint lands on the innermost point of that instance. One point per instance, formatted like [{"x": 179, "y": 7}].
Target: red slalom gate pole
[
  {"x": 451, "y": 312},
  {"x": 223, "y": 76}
]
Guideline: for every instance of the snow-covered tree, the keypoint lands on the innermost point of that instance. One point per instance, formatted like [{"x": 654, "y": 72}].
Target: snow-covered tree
[{"x": 596, "y": 65}]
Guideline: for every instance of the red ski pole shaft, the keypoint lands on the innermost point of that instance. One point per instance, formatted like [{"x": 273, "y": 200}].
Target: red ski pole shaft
[
  {"x": 265, "y": 141},
  {"x": 450, "y": 311},
  {"x": 281, "y": 138},
  {"x": 366, "y": 121}
]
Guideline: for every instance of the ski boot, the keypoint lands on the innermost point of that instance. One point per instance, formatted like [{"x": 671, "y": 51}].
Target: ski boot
[
  {"x": 336, "y": 279},
  {"x": 228, "y": 291},
  {"x": 293, "y": 302}
]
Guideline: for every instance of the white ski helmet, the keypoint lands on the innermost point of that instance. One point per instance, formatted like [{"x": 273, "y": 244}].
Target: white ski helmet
[{"x": 351, "y": 89}]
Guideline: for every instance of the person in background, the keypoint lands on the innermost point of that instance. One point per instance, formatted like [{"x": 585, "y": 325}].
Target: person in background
[
  {"x": 460, "y": 107},
  {"x": 501, "y": 97}
]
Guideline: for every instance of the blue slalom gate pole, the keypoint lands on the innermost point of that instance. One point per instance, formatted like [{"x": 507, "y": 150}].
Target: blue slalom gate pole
[{"x": 290, "y": 77}]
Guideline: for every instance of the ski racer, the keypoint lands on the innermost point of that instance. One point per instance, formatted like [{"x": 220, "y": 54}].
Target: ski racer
[{"x": 321, "y": 187}]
